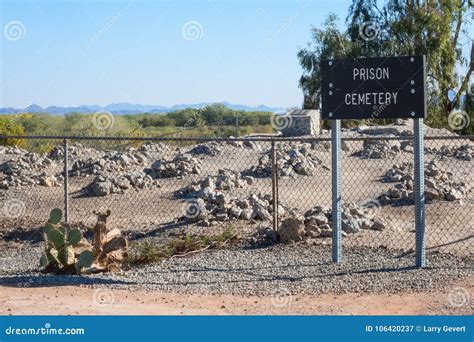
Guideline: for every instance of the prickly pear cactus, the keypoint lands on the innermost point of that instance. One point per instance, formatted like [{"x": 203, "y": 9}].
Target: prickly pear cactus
[
  {"x": 67, "y": 252},
  {"x": 60, "y": 255}
]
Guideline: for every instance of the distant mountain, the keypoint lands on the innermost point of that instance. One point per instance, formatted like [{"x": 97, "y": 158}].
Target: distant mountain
[
  {"x": 129, "y": 108},
  {"x": 33, "y": 108}
]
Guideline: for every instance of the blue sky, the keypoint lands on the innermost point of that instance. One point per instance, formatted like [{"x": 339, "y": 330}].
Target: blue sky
[{"x": 99, "y": 52}]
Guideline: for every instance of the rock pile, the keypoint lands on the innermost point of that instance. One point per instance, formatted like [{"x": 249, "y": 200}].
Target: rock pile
[
  {"x": 211, "y": 149},
  {"x": 325, "y": 146},
  {"x": 251, "y": 145},
  {"x": 218, "y": 206},
  {"x": 439, "y": 185},
  {"x": 463, "y": 152},
  {"x": 76, "y": 151},
  {"x": 379, "y": 149},
  {"x": 354, "y": 218},
  {"x": 92, "y": 162},
  {"x": 316, "y": 223},
  {"x": 109, "y": 163},
  {"x": 226, "y": 180},
  {"x": 402, "y": 127},
  {"x": 12, "y": 150},
  {"x": 87, "y": 167},
  {"x": 28, "y": 169},
  {"x": 135, "y": 155},
  {"x": 210, "y": 199},
  {"x": 104, "y": 185},
  {"x": 180, "y": 166},
  {"x": 291, "y": 161}
]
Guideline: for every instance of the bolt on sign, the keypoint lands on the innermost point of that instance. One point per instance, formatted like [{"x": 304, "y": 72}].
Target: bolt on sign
[{"x": 373, "y": 88}]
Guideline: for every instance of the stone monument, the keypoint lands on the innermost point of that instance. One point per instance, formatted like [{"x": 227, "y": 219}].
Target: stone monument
[{"x": 302, "y": 122}]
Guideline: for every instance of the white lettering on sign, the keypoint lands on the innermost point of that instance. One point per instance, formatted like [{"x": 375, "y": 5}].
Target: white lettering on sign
[
  {"x": 374, "y": 98},
  {"x": 364, "y": 74},
  {"x": 383, "y": 98}
]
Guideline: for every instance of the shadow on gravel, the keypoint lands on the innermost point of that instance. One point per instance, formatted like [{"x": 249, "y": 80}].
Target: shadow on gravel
[
  {"x": 54, "y": 280},
  {"x": 434, "y": 248},
  {"x": 32, "y": 235},
  {"x": 259, "y": 245},
  {"x": 133, "y": 235},
  {"x": 255, "y": 272}
]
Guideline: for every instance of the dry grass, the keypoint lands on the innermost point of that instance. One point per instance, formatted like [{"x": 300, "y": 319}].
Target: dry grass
[{"x": 149, "y": 252}]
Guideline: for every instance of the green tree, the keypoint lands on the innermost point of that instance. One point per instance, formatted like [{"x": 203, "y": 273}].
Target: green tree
[
  {"x": 433, "y": 28},
  {"x": 327, "y": 43},
  {"x": 214, "y": 114}
]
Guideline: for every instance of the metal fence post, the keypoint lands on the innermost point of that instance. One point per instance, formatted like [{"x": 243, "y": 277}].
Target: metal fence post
[
  {"x": 336, "y": 190},
  {"x": 419, "y": 192},
  {"x": 274, "y": 188},
  {"x": 66, "y": 182}
]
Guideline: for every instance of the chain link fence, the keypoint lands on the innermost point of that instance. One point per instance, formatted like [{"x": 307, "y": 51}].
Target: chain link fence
[{"x": 197, "y": 186}]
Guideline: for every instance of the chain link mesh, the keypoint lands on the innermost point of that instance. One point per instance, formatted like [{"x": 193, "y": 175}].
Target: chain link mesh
[{"x": 153, "y": 186}]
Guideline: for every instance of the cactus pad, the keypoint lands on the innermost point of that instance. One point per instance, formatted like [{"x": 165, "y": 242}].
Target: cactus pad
[
  {"x": 44, "y": 260},
  {"x": 74, "y": 236},
  {"x": 66, "y": 256},
  {"x": 55, "y": 216},
  {"x": 57, "y": 238},
  {"x": 85, "y": 260}
]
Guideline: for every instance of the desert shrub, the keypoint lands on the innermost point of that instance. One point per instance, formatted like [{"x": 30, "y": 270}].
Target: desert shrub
[
  {"x": 148, "y": 252},
  {"x": 9, "y": 125}
]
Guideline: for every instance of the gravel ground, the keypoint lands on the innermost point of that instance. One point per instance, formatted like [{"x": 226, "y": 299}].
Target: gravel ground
[{"x": 279, "y": 269}]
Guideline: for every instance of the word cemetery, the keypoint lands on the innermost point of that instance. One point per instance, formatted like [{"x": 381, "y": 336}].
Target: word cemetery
[{"x": 385, "y": 99}]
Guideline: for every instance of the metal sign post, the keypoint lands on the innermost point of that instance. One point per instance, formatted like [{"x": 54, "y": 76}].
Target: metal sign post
[
  {"x": 66, "y": 182},
  {"x": 336, "y": 190},
  {"x": 419, "y": 192}
]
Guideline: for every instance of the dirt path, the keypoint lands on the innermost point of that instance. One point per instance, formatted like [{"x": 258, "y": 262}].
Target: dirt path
[{"x": 70, "y": 300}]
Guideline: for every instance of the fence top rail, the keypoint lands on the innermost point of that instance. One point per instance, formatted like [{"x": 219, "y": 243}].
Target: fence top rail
[{"x": 253, "y": 139}]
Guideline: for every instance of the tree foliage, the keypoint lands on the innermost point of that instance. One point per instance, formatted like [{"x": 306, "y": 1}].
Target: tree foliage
[
  {"x": 9, "y": 125},
  {"x": 433, "y": 28},
  {"x": 211, "y": 115},
  {"x": 210, "y": 121}
]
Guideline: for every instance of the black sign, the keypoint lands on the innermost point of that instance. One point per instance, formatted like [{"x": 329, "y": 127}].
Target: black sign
[{"x": 371, "y": 88}]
